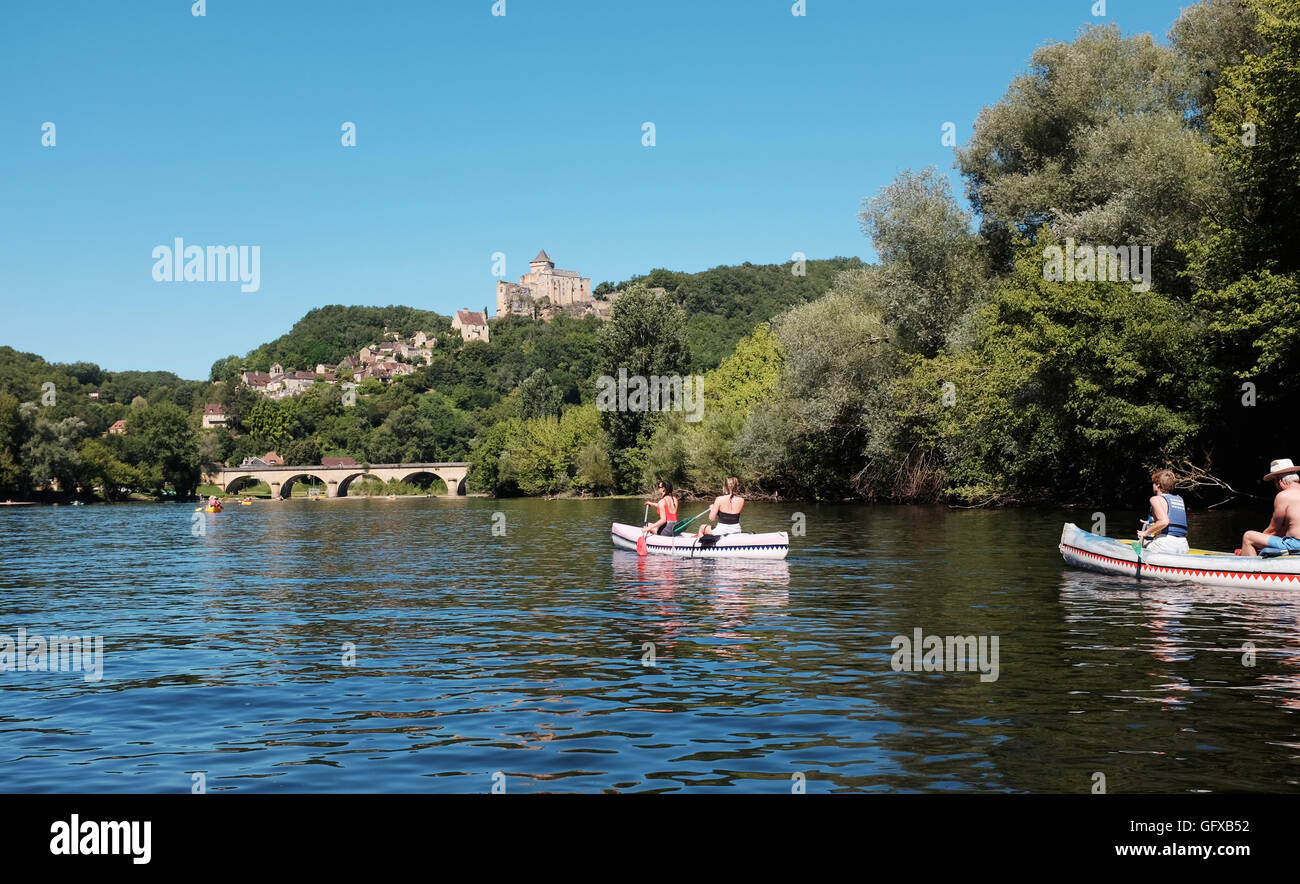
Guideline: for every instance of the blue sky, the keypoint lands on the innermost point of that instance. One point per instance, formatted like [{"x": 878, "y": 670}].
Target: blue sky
[{"x": 475, "y": 134}]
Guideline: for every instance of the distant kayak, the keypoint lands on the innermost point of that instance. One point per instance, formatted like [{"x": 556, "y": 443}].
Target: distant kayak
[
  {"x": 774, "y": 545},
  {"x": 212, "y": 509},
  {"x": 1095, "y": 552}
]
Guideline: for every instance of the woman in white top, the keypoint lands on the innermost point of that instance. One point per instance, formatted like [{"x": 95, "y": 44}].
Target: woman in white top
[{"x": 726, "y": 510}]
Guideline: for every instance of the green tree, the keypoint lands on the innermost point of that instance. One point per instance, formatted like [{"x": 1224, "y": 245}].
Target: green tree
[
  {"x": 1092, "y": 141},
  {"x": 215, "y": 448},
  {"x": 226, "y": 370},
  {"x": 163, "y": 436},
  {"x": 538, "y": 397},
  {"x": 302, "y": 451},
  {"x": 51, "y": 453},
  {"x": 100, "y": 466},
  {"x": 748, "y": 376},
  {"x": 666, "y": 455},
  {"x": 1256, "y": 124},
  {"x": 811, "y": 437},
  {"x": 1247, "y": 270},
  {"x": 1073, "y": 391},
  {"x": 485, "y": 460},
  {"x": 931, "y": 273},
  {"x": 1212, "y": 36},
  {"x": 646, "y": 336},
  {"x": 594, "y": 470},
  {"x": 268, "y": 423},
  {"x": 13, "y": 478}
]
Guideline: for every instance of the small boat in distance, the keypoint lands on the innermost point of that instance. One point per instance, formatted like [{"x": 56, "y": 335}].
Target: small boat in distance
[
  {"x": 1095, "y": 552},
  {"x": 774, "y": 545}
]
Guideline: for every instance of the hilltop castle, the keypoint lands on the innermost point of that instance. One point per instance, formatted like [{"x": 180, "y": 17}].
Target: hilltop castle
[{"x": 543, "y": 291}]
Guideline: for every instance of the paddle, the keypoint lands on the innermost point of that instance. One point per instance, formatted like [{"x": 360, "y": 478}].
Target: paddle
[
  {"x": 680, "y": 525},
  {"x": 641, "y": 547},
  {"x": 1137, "y": 548}
]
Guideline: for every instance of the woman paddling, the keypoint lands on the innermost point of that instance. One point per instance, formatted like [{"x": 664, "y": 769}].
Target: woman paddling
[
  {"x": 667, "y": 506},
  {"x": 726, "y": 510},
  {"x": 1167, "y": 518}
]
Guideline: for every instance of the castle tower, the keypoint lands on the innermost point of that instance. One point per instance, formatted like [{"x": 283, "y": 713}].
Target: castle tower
[
  {"x": 541, "y": 263},
  {"x": 542, "y": 286}
]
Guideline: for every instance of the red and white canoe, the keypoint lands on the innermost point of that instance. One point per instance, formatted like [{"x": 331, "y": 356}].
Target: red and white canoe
[
  {"x": 774, "y": 545},
  {"x": 1110, "y": 556}
]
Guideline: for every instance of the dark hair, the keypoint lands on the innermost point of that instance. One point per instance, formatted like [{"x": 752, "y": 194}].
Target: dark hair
[{"x": 667, "y": 485}]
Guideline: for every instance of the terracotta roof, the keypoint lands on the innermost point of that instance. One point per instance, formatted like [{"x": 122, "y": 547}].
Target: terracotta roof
[
  {"x": 214, "y": 409},
  {"x": 337, "y": 462},
  {"x": 471, "y": 317}
]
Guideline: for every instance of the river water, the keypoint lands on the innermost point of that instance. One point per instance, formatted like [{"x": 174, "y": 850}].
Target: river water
[{"x": 411, "y": 646}]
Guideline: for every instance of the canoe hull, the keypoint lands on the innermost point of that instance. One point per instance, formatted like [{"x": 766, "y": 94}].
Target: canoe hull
[
  {"x": 1107, "y": 555},
  {"x": 773, "y": 545}
]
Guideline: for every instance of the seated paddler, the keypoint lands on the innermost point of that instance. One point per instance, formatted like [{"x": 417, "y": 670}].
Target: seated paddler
[
  {"x": 667, "y": 507},
  {"x": 1166, "y": 526},
  {"x": 726, "y": 510},
  {"x": 1282, "y": 536}
]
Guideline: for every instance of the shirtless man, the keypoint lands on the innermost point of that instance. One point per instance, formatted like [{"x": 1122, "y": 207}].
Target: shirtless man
[{"x": 1285, "y": 524}]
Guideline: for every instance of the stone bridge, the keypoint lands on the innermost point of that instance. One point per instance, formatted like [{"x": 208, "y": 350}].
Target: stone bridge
[{"x": 337, "y": 479}]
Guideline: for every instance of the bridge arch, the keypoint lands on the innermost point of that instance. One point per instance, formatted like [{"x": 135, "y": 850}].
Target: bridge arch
[
  {"x": 344, "y": 484},
  {"x": 232, "y": 486},
  {"x": 286, "y": 484},
  {"x": 411, "y": 477}
]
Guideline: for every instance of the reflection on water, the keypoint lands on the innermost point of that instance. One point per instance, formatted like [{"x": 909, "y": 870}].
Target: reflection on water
[{"x": 403, "y": 646}]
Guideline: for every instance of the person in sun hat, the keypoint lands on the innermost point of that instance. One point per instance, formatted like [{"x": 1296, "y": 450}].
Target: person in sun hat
[{"x": 1283, "y": 528}]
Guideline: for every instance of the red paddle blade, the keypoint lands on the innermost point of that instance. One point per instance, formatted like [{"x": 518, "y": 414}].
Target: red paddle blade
[{"x": 641, "y": 546}]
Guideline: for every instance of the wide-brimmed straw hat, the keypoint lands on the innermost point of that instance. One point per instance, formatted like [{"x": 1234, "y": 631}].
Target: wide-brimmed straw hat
[{"x": 1280, "y": 468}]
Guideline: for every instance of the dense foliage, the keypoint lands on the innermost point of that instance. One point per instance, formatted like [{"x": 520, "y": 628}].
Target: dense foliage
[{"x": 1072, "y": 389}]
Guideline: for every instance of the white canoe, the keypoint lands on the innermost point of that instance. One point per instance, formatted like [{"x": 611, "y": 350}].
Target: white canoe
[
  {"x": 745, "y": 546},
  {"x": 1110, "y": 556}
]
